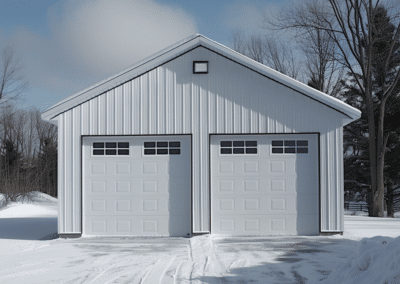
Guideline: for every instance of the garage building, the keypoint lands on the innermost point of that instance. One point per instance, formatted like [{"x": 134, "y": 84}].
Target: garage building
[{"x": 200, "y": 139}]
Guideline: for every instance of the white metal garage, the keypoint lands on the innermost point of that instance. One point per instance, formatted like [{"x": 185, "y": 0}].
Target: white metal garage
[
  {"x": 261, "y": 153},
  {"x": 264, "y": 184},
  {"x": 138, "y": 186}
]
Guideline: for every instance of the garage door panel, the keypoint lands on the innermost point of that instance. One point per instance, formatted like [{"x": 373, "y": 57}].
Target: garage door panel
[
  {"x": 255, "y": 225},
  {"x": 305, "y": 224},
  {"x": 105, "y": 205},
  {"x": 306, "y": 204},
  {"x": 131, "y": 194},
  {"x": 272, "y": 187},
  {"x": 109, "y": 226},
  {"x": 255, "y": 204},
  {"x": 253, "y": 185},
  {"x": 120, "y": 187},
  {"x": 240, "y": 185}
]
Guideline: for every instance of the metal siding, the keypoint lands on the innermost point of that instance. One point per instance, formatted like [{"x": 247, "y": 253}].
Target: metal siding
[
  {"x": 161, "y": 101},
  {"x": 61, "y": 171},
  {"x": 127, "y": 104},
  {"x": 85, "y": 121},
  {"x": 136, "y": 117},
  {"x": 171, "y": 100},
  {"x": 93, "y": 114},
  {"x": 111, "y": 113},
  {"x": 120, "y": 111},
  {"x": 203, "y": 136},
  {"x": 144, "y": 106},
  {"x": 68, "y": 171},
  {"x": 152, "y": 89},
  {"x": 341, "y": 179},
  {"x": 76, "y": 167}
]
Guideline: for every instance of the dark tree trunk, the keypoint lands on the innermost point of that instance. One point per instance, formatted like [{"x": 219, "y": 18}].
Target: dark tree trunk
[{"x": 389, "y": 201}]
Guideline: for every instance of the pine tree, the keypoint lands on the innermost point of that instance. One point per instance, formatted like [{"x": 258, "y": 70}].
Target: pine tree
[
  {"x": 47, "y": 167},
  {"x": 355, "y": 134},
  {"x": 10, "y": 163}
]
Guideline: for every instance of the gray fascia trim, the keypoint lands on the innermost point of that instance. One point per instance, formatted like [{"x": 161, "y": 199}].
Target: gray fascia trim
[
  {"x": 282, "y": 83},
  {"x": 289, "y": 82},
  {"x": 139, "y": 64},
  {"x": 123, "y": 82},
  {"x": 224, "y": 51},
  {"x": 70, "y": 236}
]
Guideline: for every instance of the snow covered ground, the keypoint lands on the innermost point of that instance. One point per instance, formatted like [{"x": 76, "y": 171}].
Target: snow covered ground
[{"x": 368, "y": 252}]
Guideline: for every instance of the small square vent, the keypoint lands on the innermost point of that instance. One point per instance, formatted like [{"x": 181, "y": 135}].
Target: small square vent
[{"x": 200, "y": 67}]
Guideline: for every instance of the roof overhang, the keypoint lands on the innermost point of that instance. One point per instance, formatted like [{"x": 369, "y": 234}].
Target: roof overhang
[{"x": 184, "y": 46}]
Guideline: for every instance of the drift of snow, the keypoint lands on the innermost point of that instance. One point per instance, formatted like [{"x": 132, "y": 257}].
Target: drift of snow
[
  {"x": 346, "y": 259},
  {"x": 377, "y": 260}
]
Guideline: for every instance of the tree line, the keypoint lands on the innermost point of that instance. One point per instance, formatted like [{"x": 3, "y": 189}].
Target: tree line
[
  {"x": 28, "y": 145},
  {"x": 349, "y": 49},
  {"x": 28, "y": 153}
]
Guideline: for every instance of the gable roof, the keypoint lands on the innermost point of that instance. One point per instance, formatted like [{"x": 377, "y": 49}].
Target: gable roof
[{"x": 180, "y": 48}]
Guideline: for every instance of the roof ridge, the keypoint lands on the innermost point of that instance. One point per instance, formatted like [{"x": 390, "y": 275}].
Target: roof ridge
[{"x": 181, "y": 47}]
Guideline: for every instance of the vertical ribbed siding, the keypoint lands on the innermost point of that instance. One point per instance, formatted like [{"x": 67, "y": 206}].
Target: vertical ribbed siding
[
  {"x": 171, "y": 100},
  {"x": 61, "y": 189},
  {"x": 76, "y": 164},
  {"x": 339, "y": 179}
]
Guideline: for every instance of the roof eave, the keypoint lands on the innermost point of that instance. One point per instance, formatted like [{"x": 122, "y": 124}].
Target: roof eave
[{"x": 181, "y": 47}]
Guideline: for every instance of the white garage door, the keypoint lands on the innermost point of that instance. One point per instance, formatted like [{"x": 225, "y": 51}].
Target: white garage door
[
  {"x": 264, "y": 184},
  {"x": 137, "y": 185}
]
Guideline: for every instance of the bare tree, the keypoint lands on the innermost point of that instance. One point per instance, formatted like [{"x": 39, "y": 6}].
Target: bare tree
[
  {"x": 351, "y": 27},
  {"x": 239, "y": 41},
  {"x": 324, "y": 72},
  {"x": 12, "y": 82},
  {"x": 268, "y": 51},
  {"x": 28, "y": 154},
  {"x": 281, "y": 58}
]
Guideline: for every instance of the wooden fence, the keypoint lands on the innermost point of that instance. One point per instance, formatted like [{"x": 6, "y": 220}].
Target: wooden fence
[{"x": 363, "y": 207}]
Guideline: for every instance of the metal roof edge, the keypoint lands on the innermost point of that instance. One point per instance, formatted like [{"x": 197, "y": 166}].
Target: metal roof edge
[
  {"x": 60, "y": 107},
  {"x": 181, "y": 47},
  {"x": 335, "y": 103}
]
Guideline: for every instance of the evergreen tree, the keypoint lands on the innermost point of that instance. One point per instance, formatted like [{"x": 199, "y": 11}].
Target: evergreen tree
[
  {"x": 47, "y": 167},
  {"x": 356, "y": 134}
]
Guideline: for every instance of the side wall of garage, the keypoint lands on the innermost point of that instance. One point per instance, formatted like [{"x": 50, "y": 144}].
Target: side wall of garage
[{"x": 169, "y": 99}]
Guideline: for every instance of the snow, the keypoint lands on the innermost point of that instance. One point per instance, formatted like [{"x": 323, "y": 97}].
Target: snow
[{"x": 368, "y": 252}]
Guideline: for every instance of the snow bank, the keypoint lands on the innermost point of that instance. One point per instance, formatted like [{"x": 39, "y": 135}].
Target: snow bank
[
  {"x": 377, "y": 260},
  {"x": 29, "y": 219},
  {"x": 37, "y": 205},
  {"x": 18, "y": 210}
]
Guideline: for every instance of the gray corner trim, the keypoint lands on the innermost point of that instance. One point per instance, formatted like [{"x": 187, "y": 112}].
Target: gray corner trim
[
  {"x": 200, "y": 234},
  {"x": 330, "y": 233},
  {"x": 70, "y": 236}
]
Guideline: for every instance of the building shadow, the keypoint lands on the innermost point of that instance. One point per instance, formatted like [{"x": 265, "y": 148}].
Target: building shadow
[{"x": 39, "y": 228}]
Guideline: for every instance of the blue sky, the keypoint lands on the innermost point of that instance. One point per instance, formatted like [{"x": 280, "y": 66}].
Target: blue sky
[{"x": 68, "y": 45}]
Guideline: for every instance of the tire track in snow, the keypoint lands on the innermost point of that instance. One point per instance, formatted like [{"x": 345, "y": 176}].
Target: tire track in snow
[
  {"x": 238, "y": 264},
  {"x": 157, "y": 273}
]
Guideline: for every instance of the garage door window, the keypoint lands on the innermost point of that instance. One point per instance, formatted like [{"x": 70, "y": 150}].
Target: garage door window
[
  {"x": 110, "y": 148},
  {"x": 162, "y": 148},
  {"x": 289, "y": 146},
  {"x": 238, "y": 147}
]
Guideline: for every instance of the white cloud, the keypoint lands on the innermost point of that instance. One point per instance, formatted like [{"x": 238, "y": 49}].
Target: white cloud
[
  {"x": 248, "y": 16},
  {"x": 114, "y": 34},
  {"x": 90, "y": 40}
]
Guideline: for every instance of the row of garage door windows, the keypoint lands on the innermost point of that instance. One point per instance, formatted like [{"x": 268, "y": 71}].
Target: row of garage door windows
[{"x": 226, "y": 147}]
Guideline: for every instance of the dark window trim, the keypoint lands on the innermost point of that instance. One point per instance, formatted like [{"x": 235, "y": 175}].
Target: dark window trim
[
  {"x": 163, "y": 150},
  {"x": 288, "y": 148},
  {"x": 107, "y": 151},
  {"x": 194, "y": 63},
  {"x": 237, "y": 150}
]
